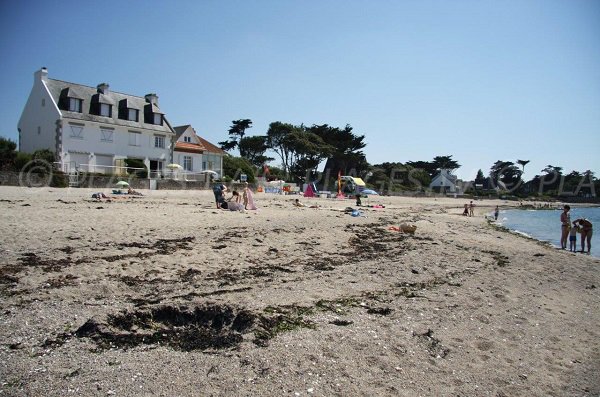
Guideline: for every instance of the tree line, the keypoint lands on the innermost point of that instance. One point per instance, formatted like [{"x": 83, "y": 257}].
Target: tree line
[{"x": 300, "y": 149}]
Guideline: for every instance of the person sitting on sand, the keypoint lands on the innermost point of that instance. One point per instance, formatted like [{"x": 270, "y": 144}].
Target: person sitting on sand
[
  {"x": 233, "y": 203},
  {"x": 134, "y": 192},
  {"x": 297, "y": 203},
  {"x": 565, "y": 222},
  {"x": 573, "y": 237},
  {"x": 587, "y": 230}
]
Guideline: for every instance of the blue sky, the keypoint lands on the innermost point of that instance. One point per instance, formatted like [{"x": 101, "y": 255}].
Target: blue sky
[{"x": 479, "y": 80}]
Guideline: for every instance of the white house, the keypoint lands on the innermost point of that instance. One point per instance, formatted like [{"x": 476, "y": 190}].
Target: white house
[
  {"x": 444, "y": 182},
  {"x": 196, "y": 154},
  {"x": 94, "y": 129}
]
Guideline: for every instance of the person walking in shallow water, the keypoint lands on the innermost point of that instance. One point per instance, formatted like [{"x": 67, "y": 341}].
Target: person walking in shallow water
[
  {"x": 496, "y": 212},
  {"x": 586, "y": 233},
  {"x": 565, "y": 220}
]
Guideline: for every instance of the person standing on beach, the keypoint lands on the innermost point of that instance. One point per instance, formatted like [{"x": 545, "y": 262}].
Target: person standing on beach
[
  {"x": 471, "y": 209},
  {"x": 466, "y": 211},
  {"x": 219, "y": 192},
  {"x": 496, "y": 212},
  {"x": 573, "y": 237},
  {"x": 565, "y": 220},
  {"x": 586, "y": 233}
]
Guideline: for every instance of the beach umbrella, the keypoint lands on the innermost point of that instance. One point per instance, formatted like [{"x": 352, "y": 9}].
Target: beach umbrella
[
  {"x": 122, "y": 184},
  {"x": 174, "y": 166}
]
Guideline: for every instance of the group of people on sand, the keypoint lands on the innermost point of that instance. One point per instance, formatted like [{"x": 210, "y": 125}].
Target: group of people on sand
[
  {"x": 99, "y": 196},
  {"x": 570, "y": 229},
  {"x": 235, "y": 202},
  {"x": 469, "y": 209}
]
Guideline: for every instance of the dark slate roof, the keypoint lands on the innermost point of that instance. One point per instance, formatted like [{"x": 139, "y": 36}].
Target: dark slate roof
[
  {"x": 60, "y": 90},
  {"x": 180, "y": 129}
]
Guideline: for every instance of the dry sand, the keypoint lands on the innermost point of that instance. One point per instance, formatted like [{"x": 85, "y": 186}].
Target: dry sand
[{"x": 163, "y": 295}]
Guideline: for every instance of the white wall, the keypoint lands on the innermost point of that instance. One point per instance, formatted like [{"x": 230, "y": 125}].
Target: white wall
[
  {"x": 196, "y": 160},
  {"x": 91, "y": 142},
  {"x": 35, "y": 115}
]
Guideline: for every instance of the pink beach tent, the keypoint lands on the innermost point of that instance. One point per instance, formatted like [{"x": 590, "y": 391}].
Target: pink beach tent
[{"x": 309, "y": 192}]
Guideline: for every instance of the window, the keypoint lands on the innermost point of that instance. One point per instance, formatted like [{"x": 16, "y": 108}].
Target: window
[
  {"x": 134, "y": 138},
  {"x": 105, "y": 110},
  {"x": 132, "y": 114},
  {"x": 76, "y": 131},
  {"x": 204, "y": 166},
  {"x": 187, "y": 163},
  {"x": 75, "y": 105},
  {"x": 187, "y": 139},
  {"x": 159, "y": 141},
  {"x": 157, "y": 118},
  {"x": 106, "y": 135}
]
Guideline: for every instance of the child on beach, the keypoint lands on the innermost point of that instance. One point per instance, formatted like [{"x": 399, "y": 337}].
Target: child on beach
[
  {"x": 496, "y": 212},
  {"x": 573, "y": 237},
  {"x": 245, "y": 195},
  {"x": 466, "y": 211}
]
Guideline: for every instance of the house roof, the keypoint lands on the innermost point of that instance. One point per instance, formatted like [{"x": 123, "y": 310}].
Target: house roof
[
  {"x": 206, "y": 145},
  {"x": 60, "y": 90},
  {"x": 189, "y": 147},
  {"x": 179, "y": 130},
  {"x": 210, "y": 147}
]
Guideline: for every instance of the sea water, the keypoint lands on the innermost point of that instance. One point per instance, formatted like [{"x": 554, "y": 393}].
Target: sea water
[{"x": 545, "y": 225}]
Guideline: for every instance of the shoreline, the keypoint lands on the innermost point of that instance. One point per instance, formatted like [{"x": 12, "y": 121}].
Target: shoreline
[{"x": 163, "y": 294}]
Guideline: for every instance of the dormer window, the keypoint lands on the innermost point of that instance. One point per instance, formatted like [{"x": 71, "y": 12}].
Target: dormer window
[
  {"x": 105, "y": 110},
  {"x": 132, "y": 114},
  {"x": 128, "y": 110},
  {"x": 75, "y": 105},
  {"x": 152, "y": 114},
  {"x": 187, "y": 139}
]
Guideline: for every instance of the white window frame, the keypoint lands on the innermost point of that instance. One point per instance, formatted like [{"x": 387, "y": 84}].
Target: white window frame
[
  {"x": 75, "y": 105},
  {"x": 106, "y": 135},
  {"x": 105, "y": 110},
  {"x": 134, "y": 138},
  {"x": 132, "y": 114},
  {"x": 76, "y": 131},
  {"x": 188, "y": 163},
  {"x": 159, "y": 141},
  {"x": 157, "y": 118},
  {"x": 187, "y": 139}
]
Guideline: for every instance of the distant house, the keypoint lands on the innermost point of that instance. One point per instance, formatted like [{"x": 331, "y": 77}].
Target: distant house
[
  {"x": 196, "y": 154},
  {"x": 444, "y": 182},
  {"x": 94, "y": 129}
]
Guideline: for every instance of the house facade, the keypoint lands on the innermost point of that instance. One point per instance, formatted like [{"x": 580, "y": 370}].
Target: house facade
[
  {"x": 94, "y": 129},
  {"x": 196, "y": 154},
  {"x": 444, "y": 182}
]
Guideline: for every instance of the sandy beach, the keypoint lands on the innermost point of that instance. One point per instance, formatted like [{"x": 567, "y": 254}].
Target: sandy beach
[{"x": 164, "y": 295}]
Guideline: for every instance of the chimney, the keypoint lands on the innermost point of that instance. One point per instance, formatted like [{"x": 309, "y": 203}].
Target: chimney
[
  {"x": 152, "y": 98},
  {"x": 102, "y": 88},
  {"x": 41, "y": 75}
]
